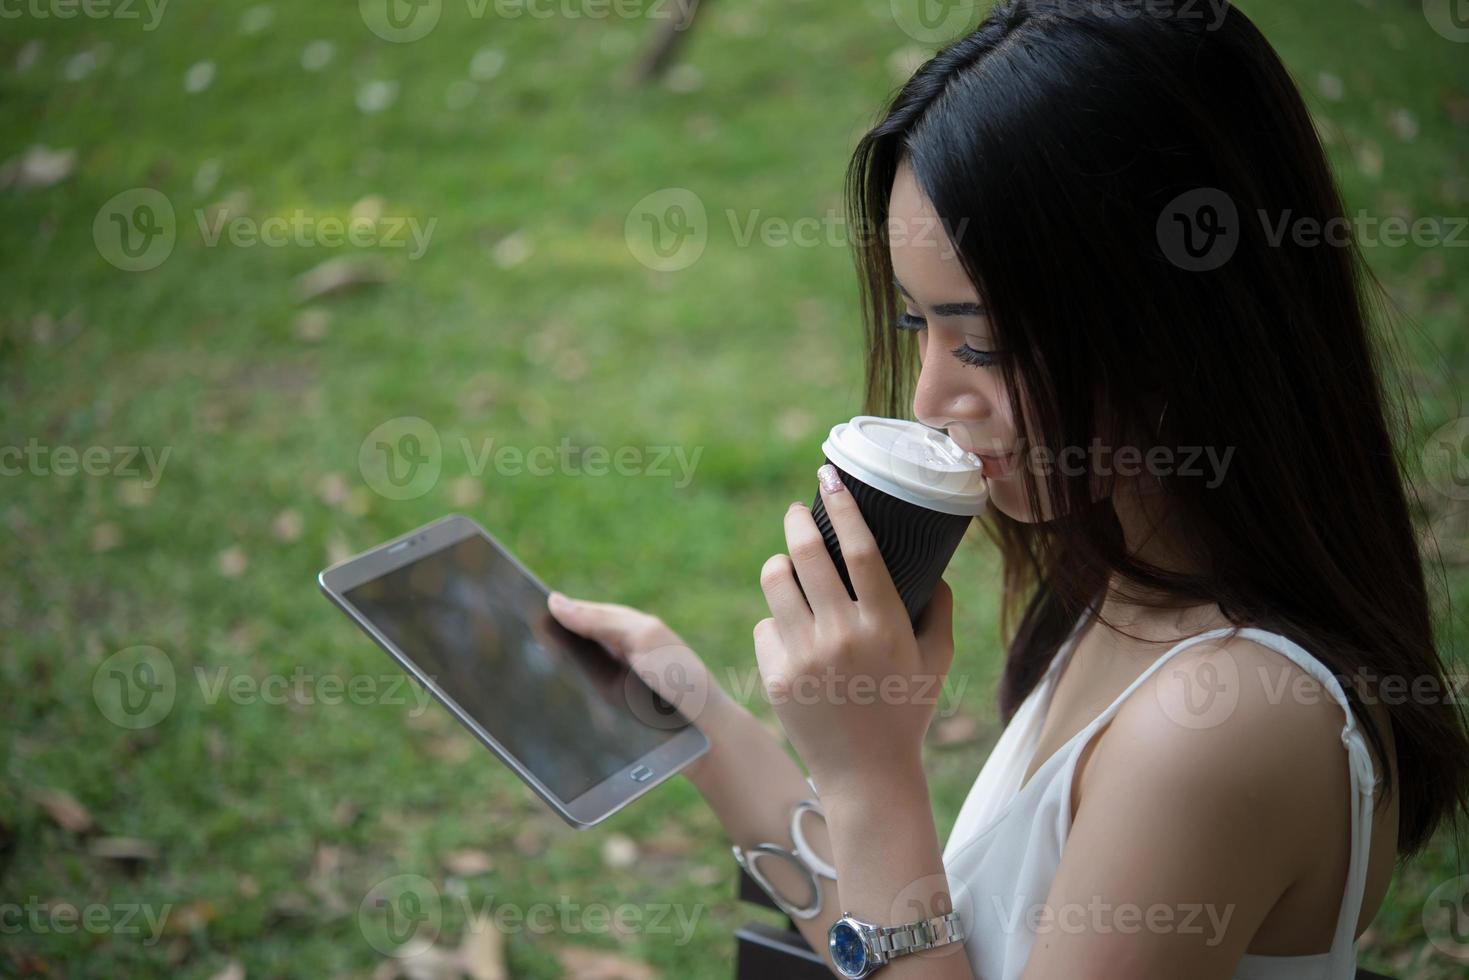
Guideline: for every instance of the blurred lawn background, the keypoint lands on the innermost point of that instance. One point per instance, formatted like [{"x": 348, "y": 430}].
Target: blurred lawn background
[{"x": 528, "y": 320}]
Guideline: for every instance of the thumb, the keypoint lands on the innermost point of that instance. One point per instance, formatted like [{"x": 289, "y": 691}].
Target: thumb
[{"x": 611, "y": 624}]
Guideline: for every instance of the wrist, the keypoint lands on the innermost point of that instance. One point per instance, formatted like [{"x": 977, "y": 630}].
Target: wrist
[
  {"x": 723, "y": 722},
  {"x": 877, "y": 785}
]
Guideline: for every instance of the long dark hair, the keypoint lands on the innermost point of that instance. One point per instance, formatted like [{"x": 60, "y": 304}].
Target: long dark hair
[{"x": 1053, "y": 142}]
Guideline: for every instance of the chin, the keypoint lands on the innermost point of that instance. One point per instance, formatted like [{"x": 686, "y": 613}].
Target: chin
[{"x": 1007, "y": 495}]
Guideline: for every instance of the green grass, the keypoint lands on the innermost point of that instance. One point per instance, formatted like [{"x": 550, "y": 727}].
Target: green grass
[{"x": 274, "y": 821}]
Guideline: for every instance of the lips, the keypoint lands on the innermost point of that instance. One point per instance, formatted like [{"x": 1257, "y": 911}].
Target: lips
[{"x": 994, "y": 466}]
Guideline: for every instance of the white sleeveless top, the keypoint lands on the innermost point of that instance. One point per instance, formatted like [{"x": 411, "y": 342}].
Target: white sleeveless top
[{"x": 1005, "y": 848}]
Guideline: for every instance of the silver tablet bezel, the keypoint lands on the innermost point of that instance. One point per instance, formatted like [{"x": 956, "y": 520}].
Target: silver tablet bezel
[{"x": 597, "y": 803}]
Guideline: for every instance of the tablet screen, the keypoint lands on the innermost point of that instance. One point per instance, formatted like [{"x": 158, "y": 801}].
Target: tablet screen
[{"x": 479, "y": 628}]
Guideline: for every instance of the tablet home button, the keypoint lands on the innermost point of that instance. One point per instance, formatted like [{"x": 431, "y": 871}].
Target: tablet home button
[{"x": 641, "y": 773}]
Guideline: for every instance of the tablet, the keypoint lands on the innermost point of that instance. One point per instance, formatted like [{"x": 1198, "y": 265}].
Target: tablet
[{"x": 471, "y": 624}]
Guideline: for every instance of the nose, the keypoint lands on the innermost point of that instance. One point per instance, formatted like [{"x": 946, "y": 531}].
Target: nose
[{"x": 950, "y": 394}]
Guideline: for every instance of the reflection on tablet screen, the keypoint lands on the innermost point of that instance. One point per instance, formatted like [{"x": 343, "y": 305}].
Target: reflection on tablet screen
[{"x": 480, "y": 630}]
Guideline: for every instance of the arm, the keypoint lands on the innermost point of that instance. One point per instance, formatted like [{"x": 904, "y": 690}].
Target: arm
[
  {"x": 847, "y": 677},
  {"x": 752, "y": 785},
  {"x": 1190, "y": 825},
  {"x": 883, "y": 842}
]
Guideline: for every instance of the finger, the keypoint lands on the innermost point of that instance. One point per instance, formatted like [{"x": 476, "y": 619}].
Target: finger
[
  {"x": 772, "y": 660},
  {"x": 825, "y": 593},
  {"x": 622, "y": 629},
  {"x": 792, "y": 614},
  {"x": 935, "y": 632},
  {"x": 869, "y": 573}
]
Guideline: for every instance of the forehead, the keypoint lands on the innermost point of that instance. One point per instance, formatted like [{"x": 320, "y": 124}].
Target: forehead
[{"x": 924, "y": 259}]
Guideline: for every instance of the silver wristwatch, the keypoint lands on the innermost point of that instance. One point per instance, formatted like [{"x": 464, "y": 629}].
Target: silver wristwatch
[{"x": 858, "y": 948}]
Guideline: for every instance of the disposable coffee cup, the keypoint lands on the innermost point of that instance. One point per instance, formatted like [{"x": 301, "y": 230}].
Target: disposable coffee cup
[{"x": 917, "y": 490}]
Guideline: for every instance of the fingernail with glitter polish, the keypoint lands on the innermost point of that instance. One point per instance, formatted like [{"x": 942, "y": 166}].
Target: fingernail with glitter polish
[{"x": 831, "y": 481}]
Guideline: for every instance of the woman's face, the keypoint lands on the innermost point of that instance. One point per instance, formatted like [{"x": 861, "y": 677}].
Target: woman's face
[{"x": 963, "y": 393}]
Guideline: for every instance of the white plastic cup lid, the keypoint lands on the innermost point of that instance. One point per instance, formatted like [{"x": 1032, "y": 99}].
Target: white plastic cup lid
[{"x": 911, "y": 461}]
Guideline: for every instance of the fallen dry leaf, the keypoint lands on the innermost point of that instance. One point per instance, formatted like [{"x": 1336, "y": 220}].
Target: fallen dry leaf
[
  {"x": 530, "y": 841},
  {"x": 38, "y": 167},
  {"x": 466, "y": 491},
  {"x": 288, "y": 525},
  {"x": 190, "y": 918},
  {"x": 619, "y": 851},
  {"x": 325, "y": 874},
  {"x": 135, "y": 493},
  {"x": 581, "y": 963},
  {"x": 369, "y": 209},
  {"x": 312, "y": 325},
  {"x": 337, "y": 549},
  {"x": 468, "y": 862},
  {"x": 64, "y": 809},
  {"x": 232, "y": 971},
  {"x": 332, "y": 488},
  {"x": 124, "y": 849},
  {"x": 106, "y": 536},
  {"x": 482, "y": 950},
  {"x": 232, "y": 562},
  {"x": 341, "y": 275}
]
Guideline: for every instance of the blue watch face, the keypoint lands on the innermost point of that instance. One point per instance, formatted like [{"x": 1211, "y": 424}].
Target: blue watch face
[{"x": 847, "y": 951}]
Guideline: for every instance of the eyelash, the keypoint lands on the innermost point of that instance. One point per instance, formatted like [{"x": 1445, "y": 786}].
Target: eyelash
[{"x": 965, "y": 353}]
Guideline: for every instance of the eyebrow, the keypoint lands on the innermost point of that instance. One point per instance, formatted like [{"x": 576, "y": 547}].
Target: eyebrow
[{"x": 947, "y": 309}]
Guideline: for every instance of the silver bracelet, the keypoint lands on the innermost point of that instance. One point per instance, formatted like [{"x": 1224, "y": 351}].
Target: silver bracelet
[{"x": 804, "y": 859}]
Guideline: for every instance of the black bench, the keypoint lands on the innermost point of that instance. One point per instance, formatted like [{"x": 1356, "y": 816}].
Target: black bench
[{"x": 780, "y": 952}]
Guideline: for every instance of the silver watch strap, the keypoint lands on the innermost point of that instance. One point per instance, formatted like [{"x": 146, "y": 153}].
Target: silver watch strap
[{"x": 914, "y": 937}]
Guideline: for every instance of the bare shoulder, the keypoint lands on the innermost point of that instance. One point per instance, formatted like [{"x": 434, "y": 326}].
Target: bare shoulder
[{"x": 1234, "y": 733}]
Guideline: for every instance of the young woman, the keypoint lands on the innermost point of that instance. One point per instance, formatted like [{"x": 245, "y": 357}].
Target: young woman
[{"x": 1195, "y": 492}]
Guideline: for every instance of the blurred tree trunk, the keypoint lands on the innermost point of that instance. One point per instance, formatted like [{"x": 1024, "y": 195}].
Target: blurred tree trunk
[{"x": 670, "y": 35}]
